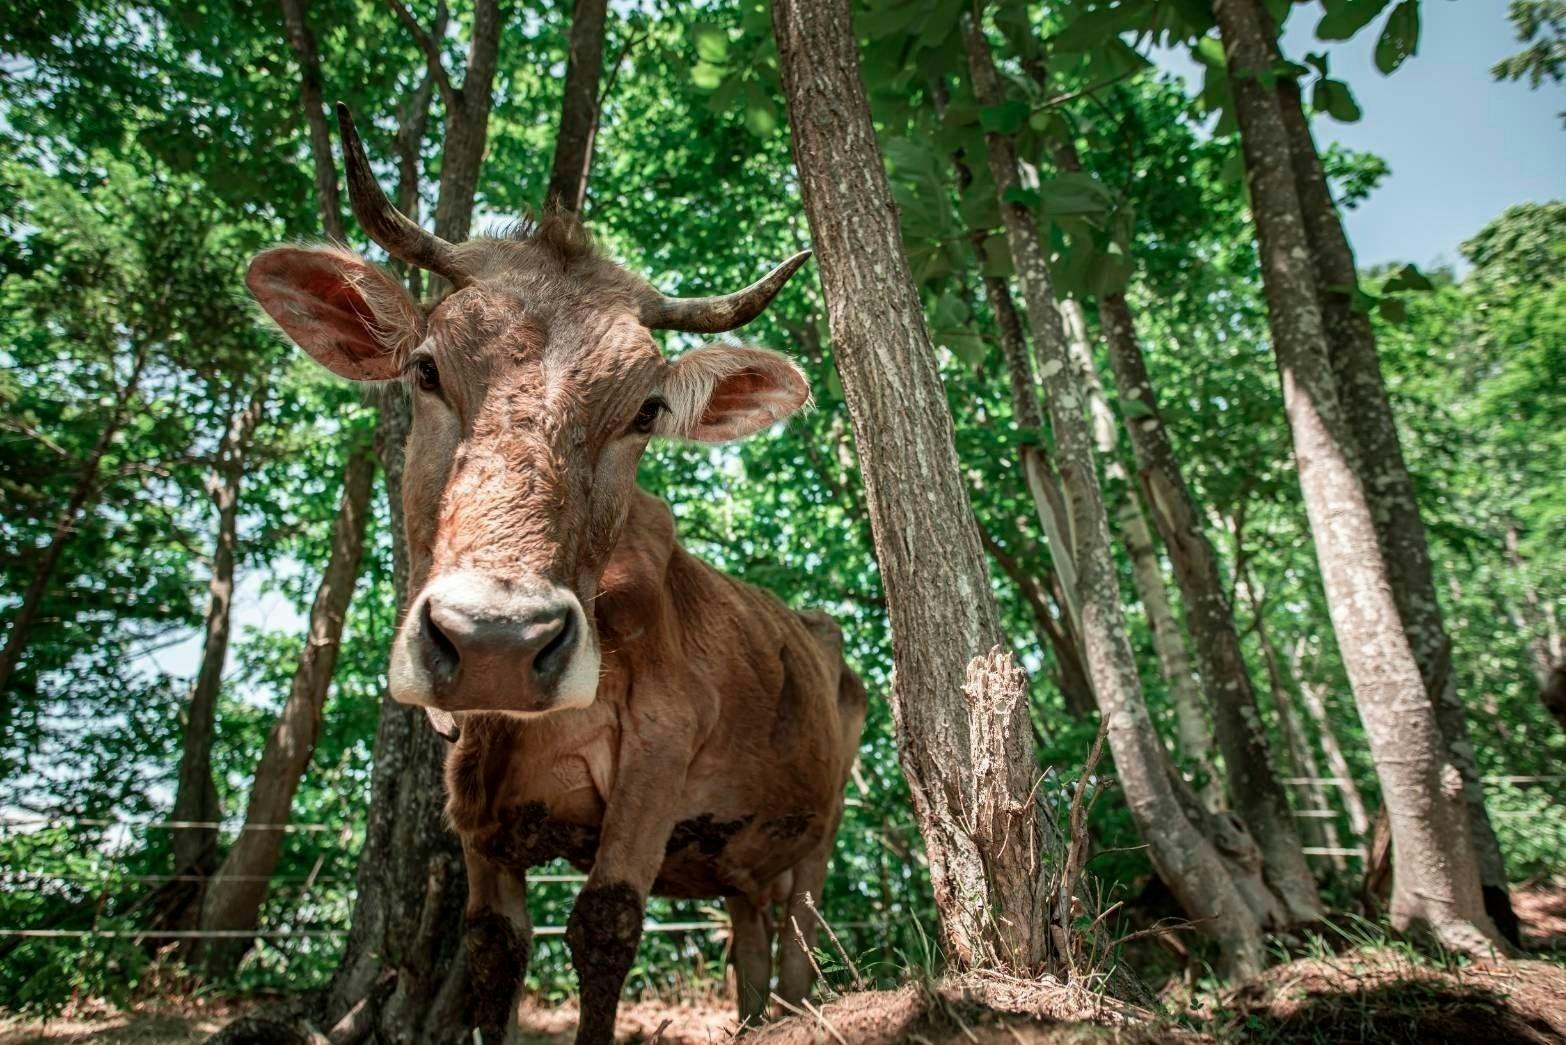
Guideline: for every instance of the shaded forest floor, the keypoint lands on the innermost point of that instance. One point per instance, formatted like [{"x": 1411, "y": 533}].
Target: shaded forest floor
[{"x": 1371, "y": 994}]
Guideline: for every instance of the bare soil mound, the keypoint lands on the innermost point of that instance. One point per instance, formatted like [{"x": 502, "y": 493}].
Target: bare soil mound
[
  {"x": 1355, "y": 997},
  {"x": 982, "y": 1009}
]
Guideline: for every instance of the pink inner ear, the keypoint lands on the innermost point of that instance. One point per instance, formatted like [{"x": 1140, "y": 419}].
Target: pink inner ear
[
  {"x": 741, "y": 392},
  {"x": 316, "y": 295},
  {"x": 343, "y": 312}
]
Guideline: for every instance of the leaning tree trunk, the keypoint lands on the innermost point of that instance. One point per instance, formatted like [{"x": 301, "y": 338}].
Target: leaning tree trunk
[
  {"x": 1147, "y": 575},
  {"x": 196, "y": 800},
  {"x": 404, "y": 972},
  {"x": 996, "y": 901},
  {"x": 1313, "y": 695},
  {"x": 579, "y": 109},
  {"x": 236, "y": 892},
  {"x": 85, "y": 490},
  {"x": 312, "y": 103},
  {"x": 1389, "y": 488},
  {"x": 1436, "y": 883},
  {"x": 1258, "y": 796},
  {"x": 1320, "y": 819},
  {"x": 1184, "y": 856}
]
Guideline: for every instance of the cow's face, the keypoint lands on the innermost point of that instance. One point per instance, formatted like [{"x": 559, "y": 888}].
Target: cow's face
[{"x": 535, "y": 387}]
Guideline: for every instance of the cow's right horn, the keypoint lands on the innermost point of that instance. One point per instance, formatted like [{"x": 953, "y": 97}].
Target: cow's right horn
[{"x": 385, "y": 224}]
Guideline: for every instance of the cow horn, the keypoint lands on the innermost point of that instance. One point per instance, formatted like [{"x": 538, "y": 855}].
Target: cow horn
[
  {"x": 715, "y": 315},
  {"x": 385, "y": 224}
]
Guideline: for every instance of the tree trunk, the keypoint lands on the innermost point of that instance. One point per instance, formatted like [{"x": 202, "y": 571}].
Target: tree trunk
[
  {"x": 1253, "y": 785},
  {"x": 65, "y": 525},
  {"x": 996, "y": 902},
  {"x": 404, "y": 971},
  {"x": 1437, "y": 880},
  {"x": 196, "y": 800},
  {"x": 1320, "y": 826},
  {"x": 1185, "y": 858},
  {"x": 1313, "y": 695},
  {"x": 1389, "y": 488},
  {"x": 579, "y": 109},
  {"x": 1053, "y": 626},
  {"x": 302, "y": 42},
  {"x": 236, "y": 892}
]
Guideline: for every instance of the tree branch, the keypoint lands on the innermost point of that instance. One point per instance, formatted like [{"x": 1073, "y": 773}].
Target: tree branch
[{"x": 449, "y": 94}]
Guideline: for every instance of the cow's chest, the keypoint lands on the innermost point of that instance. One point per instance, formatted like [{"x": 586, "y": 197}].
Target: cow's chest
[{"x": 548, "y": 803}]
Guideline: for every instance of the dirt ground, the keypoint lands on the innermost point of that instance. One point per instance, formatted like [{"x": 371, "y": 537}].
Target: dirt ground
[{"x": 1379, "y": 995}]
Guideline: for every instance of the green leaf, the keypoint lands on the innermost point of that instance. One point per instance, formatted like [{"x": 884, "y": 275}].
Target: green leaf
[
  {"x": 1005, "y": 118},
  {"x": 1016, "y": 194},
  {"x": 1393, "y": 310},
  {"x": 706, "y": 76},
  {"x": 712, "y": 43},
  {"x": 1335, "y": 99},
  {"x": 1344, "y": 18},
  {"x": 1133, "y": 409},
  {"x": 1074, "y": 193},
  {"x": 1318, "y": 59},
  {"x": 965, "y": 345},
  {"x": 1098, "y": 25},
  {"x": 1407, "y": 277},
  {"x": 1399, "y": 38}
]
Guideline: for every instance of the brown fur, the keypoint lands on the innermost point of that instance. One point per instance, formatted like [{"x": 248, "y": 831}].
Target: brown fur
[{"x": 713, "y": 757}]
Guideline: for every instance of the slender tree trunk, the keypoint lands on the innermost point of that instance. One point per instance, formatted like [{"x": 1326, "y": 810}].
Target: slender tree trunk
[
  {"x": 1389, "y": 488},
  {"x": 405, "y": 967},
  {"x": 1314, "y": 697},
  {"x": 1320, "y": 826},
  {"x": 196, "y": 799},
  {"x": 995, "y": 901},
  {"x": 1053, "y": 626},
  {"x": 82, "y": 493},
  {"x": 302, "y": 42},
  {"x": 1534, "y": 619},
  {"x": 1184, "y": 857},
  {"x": 579, "y": 110},
  {"x": 1437, "y": 880},
  {"x": 236, "y": 892},
  {"x": 1253, "y": 785}
]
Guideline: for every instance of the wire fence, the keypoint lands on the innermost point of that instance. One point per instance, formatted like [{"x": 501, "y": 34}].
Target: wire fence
[{"x": 108, "y": 878}]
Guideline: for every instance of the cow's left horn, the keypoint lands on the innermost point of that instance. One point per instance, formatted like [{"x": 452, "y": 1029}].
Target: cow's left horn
[
  {"x": 715, "y": 315},
  {"x": 391, "y": 228}
]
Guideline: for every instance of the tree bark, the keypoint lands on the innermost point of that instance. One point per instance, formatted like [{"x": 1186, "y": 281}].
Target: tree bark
[
  {"x": 1313, "y": 695},
  {"x": 1184, "y": 857},
  {"x": 1320, "y": 826},
  {"x": 996, "y": 903},
  {"x": 1054, "y": 626},
  {"x": 1437, "y": 881},
  {"x": 579, "y": 109},
  {"x": 236, "y": 892},
  {"x": 82, "y": 493},
  {"x": 406, "y": 963},
  {"x": 302, "y": 42},
  {"x": 1253, "y": 785},
  {"x": 196, "y": 799},
  {"x": 1394, "y": 505}
]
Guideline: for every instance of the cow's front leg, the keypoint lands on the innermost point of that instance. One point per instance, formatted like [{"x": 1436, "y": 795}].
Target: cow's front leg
[
  {"x": 606, "y": 924},
  {"x": 499, "y": 940}
]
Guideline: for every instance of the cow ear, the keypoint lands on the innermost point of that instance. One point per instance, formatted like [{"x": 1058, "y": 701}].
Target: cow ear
[
  {"x": 351, "y": 316},
  {"x": 722, "y": 392}
]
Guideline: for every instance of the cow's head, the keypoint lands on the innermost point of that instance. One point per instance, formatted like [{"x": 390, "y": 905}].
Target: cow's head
[{"x": 536, "y": 386}]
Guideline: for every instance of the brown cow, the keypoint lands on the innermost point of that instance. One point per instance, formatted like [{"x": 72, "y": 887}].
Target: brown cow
[{"x": 621, "y": 704}]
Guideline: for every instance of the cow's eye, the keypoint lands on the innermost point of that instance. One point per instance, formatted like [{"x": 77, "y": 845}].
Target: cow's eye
[
  {"x": 647, "y": 416},
  {"x": 425, "y": 373}
]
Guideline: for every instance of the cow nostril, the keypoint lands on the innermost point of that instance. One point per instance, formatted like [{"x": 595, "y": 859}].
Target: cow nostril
[
  {"x": 440, "y": 653},
  {"x": 552, "y": 656}
]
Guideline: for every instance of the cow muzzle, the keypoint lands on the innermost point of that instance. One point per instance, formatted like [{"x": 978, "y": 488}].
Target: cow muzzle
[{"x": 472, "y": 642}]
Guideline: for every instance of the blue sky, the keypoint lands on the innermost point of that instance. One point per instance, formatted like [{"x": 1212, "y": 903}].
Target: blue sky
[{"x": 1461, "y": 146}]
